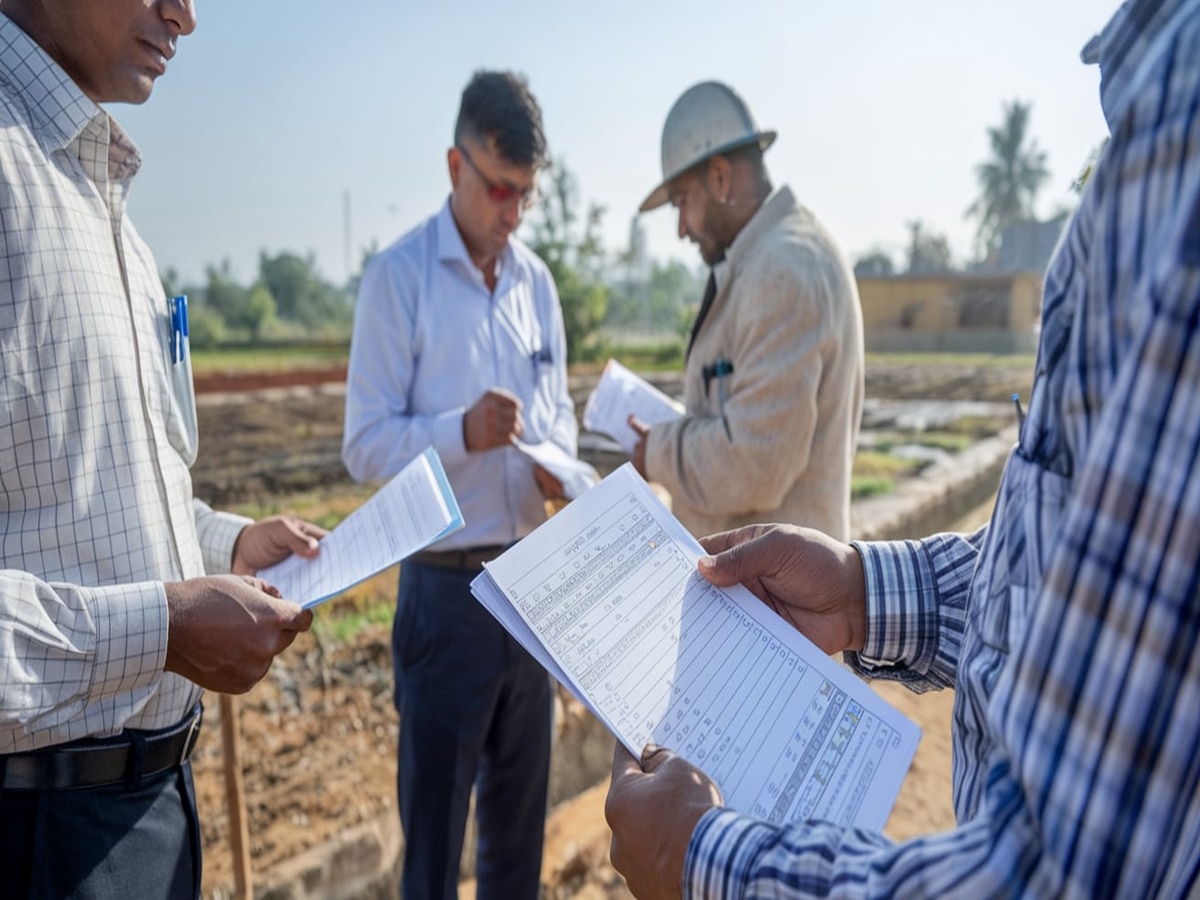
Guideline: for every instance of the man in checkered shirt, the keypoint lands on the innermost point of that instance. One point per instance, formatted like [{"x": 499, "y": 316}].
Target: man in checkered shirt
[
  {"x": 1068, "y": 627},
  {"x": 110, "y": 623}
]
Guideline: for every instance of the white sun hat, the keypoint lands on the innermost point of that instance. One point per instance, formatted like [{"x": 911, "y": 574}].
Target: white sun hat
[{"x": 710, "y": 118}]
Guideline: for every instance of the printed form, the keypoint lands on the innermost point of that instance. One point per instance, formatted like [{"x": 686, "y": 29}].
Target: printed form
[
  {"x": 620, "y": 392},
  {"x": 607, "y": 597},
  {"x": 414, "y": 509}
]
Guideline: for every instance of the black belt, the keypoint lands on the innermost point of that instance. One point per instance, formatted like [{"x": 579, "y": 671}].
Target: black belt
[
  {"x": 471, "y": 558},
  {"x": 95, "y": 762}
]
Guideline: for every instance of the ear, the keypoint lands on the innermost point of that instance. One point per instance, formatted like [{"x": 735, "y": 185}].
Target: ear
[
  {"x": 454, "y": 163},
  {"x": 720, "y": 177}
]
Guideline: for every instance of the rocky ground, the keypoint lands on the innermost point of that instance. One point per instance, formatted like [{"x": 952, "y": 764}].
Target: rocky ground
[{"x": 319, "y": 733}]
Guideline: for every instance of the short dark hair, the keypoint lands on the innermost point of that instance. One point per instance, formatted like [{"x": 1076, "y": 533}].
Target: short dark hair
[{"x": 500, "y": 107}]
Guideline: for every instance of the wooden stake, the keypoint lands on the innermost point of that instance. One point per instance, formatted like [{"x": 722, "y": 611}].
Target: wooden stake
[{"x": 235, "y": 798}]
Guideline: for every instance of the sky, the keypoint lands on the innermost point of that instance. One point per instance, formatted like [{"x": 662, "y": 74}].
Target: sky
[{"x": 274, "y": 113}]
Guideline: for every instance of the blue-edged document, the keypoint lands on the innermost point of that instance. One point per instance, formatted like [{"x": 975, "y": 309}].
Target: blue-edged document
[
  {"x": 606, "y": 596},
  {"x": 407, "y": 514}
]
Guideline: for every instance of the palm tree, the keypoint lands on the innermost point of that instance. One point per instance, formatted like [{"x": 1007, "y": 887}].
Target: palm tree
[{"x": 1010, "y": 180}]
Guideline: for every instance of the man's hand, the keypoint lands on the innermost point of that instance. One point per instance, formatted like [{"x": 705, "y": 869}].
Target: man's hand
[
  {"x": 494, "y": 421},
  {"x": 652, "y": 808},
  {"x": 550, "y": 486},
  {"x": 808, "y": 578},
  {"x": 272, "y": 540},
  {"x": 638, "y": 458},
  {"x": 225, "y": 630}
]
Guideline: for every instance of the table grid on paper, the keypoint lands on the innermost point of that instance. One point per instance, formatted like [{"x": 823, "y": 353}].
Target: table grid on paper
[{"x": 684, "y": 666}]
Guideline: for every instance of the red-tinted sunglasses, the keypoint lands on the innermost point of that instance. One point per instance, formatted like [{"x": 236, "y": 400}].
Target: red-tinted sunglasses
[{"x": 501, "y": 193}]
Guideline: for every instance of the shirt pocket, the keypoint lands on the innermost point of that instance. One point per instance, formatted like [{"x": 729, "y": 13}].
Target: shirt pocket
[{"x": 1022, "y": 536}]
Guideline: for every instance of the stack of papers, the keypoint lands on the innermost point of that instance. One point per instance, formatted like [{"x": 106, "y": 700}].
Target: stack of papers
[
  {"x": 620, "y": 392},
  {"x": 607, "y": 597},
  {"x": 407, "y": 514}
]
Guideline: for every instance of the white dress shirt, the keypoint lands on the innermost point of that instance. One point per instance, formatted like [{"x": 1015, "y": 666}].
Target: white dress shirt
[
  {"x": 429, "y": 340},
  {"x": 97, "y": 428}
]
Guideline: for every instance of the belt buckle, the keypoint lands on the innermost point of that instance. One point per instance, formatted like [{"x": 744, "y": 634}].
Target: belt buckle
[{"x": 190, "y": 742}]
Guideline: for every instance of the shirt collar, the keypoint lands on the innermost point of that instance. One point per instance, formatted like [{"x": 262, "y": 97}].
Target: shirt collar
[
  {"x": 451, "y": 247},
  {"x": 773, "y": 210},
  {"x": 1122, "y": 45},
  {"x": 58, "y": 110}
]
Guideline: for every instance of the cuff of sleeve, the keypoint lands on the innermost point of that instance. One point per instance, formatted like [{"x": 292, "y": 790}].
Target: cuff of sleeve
[
  {"x": 217, "y": 533},
  {"x": 131, "y": 636},
  {"x": 722, "y": 854},
  {"x": 901, "y": 611},
  {"x": 448, "y": 437}
]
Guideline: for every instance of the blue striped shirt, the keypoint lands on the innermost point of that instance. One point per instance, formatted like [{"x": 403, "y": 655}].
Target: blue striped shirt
[{"x": 1068, "y": 626}]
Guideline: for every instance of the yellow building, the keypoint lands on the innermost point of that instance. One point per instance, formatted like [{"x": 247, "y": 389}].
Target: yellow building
[{"x": 961, "y": 312}]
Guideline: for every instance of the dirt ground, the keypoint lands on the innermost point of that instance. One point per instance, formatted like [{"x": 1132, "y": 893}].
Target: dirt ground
[{"x": 319, "y": 732}]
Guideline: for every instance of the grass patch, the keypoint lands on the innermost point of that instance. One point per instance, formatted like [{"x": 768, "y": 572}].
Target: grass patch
[
  {"x": 949, "y": 441},
  {"x": 877, "y": 464},
  {"x": 870, "y": 486},
  {"x": 268, "y": 358},
  {"x": 343, "y": 623},
  {"x": 965, "y": 360}
]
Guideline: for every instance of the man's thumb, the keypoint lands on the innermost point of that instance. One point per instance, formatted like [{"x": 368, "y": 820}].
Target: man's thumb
[{"x": 723, "y": 569}]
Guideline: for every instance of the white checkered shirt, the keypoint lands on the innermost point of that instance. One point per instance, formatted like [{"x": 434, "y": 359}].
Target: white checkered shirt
[
  {"x": 96, "y": 507},
  {"x": 1069, "y": 629}
]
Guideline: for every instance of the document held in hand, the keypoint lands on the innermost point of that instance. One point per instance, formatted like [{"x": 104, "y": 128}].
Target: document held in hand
[
  {"x": 607, "y": 597},
  {"x": 414, "y": 509},
  {"x": 620, "y": 392}
]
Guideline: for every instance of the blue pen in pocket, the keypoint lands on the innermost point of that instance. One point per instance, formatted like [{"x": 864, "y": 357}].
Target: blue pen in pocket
[{"x": 179, "y": 328}]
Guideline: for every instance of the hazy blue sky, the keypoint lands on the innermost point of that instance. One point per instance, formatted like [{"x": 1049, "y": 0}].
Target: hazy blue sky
[{"x": 273, "y": 110}]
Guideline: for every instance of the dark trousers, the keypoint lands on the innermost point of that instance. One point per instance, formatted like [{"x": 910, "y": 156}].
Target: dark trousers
[
  {"x": 474, "y": 710},
  {"x": 107, "y": 843}
]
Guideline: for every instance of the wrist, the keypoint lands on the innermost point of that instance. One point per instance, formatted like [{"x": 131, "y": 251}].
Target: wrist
[{"x": 856, "y": 606}]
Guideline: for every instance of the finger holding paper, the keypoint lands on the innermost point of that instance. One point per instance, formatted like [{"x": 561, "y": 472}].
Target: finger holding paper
[
  {"x": 273, "y": 540},
  {"x": 653, "y": 806},
  {"x": 808, "y": 578}
]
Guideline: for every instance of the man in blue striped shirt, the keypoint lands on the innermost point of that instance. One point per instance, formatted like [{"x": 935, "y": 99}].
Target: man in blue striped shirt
[{"x": 1068, "y": 626}]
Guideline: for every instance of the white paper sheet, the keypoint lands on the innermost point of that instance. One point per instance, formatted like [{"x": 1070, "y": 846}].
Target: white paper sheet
[
  {"x": 620, "y": 392},
  {"x": 607, "y": 597},
  {"x": 414, "y": 509},
  {"x": 576, "y": 475}
]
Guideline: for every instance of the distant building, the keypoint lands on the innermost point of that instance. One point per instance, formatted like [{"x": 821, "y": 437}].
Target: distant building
[
  {"x": 960, "y": 312},
  {"x": 1025, "y": 246},
  {"x": 995, "y": 307}
]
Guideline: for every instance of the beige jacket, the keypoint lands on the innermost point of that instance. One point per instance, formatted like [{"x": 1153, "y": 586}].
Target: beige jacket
[{"x": 780, "y": 448}]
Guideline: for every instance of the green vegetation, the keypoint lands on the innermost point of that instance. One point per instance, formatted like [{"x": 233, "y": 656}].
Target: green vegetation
[
  {"x": 870, "y": 485},
  {"x": 965, "y": 360},
  {"x": 279, "y": 357},
  {"x": 341, "y": 623},
  {"x": 950, "y": 441}
]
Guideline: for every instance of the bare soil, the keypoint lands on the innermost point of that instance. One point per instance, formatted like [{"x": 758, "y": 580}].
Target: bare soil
[{"x": 319, "y": 733}]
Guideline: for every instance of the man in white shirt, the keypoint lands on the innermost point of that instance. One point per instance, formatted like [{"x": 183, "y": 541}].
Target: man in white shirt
[
  {"x": 458, "y": 343},
  {"x": 109, "y": 625}
]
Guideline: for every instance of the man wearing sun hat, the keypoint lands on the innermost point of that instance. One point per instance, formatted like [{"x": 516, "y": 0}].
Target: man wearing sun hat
[{"x": 773, "y": 382}]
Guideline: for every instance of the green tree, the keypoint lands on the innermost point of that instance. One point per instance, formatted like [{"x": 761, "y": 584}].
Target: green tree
[
  {"x": 258, "y": 311},
  {"x": 302, "y": 295},
  {"x": 927, "y": 252},
  {"x": 875, "y": 263},
  {"x": 222, "y": 294},
  {"x": 575, "y": 258},
  {"x": 1010, "y": 180}
]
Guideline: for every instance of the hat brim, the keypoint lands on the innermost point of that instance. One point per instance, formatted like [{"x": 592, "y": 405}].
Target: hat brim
[{"x": 660, "y": 195}]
